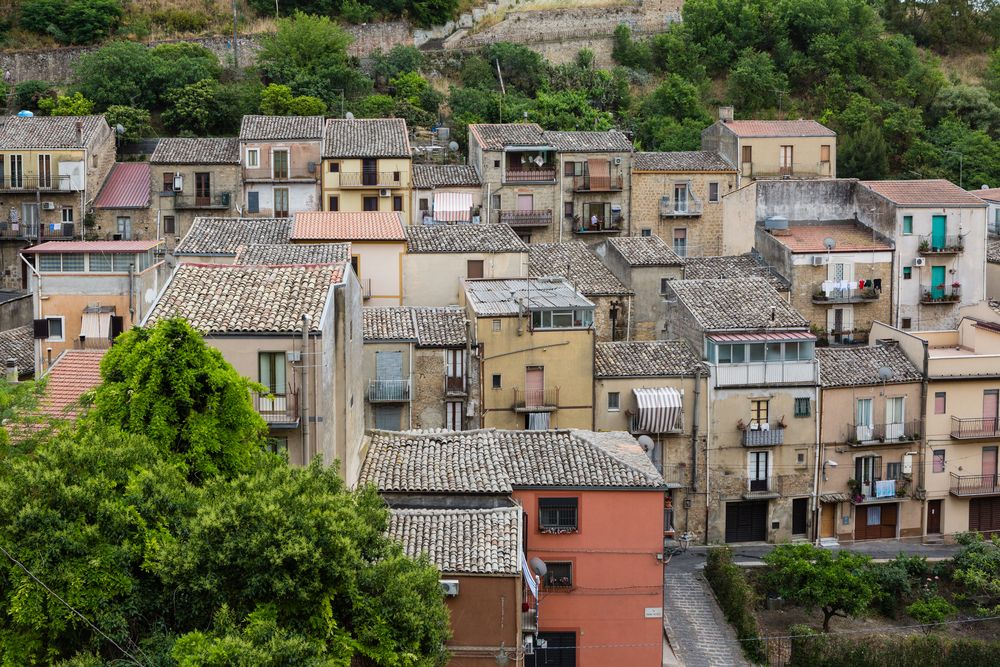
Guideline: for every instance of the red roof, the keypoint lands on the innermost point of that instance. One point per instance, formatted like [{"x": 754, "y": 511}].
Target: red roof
[
  {"x": 127, "y": 186},
  {"x": 753, "y": 337},
  {"x": 130, "y": 247},
  {"x": 347, "y": 226},
  {"x": 989, "y": 194},
  {"x": 928, "y": 192},
  {"x": 73, "y": 373},
  {"x": 849, "y": 237},
  {"x": 778, "y": 128}
]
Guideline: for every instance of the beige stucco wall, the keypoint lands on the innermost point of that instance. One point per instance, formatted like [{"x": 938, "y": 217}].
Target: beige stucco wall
[
  {"x": 806, "y": 279},
  {"x": 351, "y": 197},
  {"x": 805, "y": 156},
  {"x": 434, "y": 279},
  {"x": 739, "y": 213},
  {"x": 382, "y": 264},
  {"x": 568, "y": 193}
]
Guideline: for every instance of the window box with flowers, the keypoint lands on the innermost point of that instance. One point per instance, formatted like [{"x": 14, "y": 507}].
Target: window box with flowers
[{"x": 558, "y": 516}]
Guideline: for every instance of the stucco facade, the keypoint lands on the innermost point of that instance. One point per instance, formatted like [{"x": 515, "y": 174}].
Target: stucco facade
[
  {"x": 281, "y": 193},
  {"x": 582, "y": 198},
  {"x": 379, "y": 267},
  {"x": 385, "y": 187},
  {"x": 435, "y": 278}
]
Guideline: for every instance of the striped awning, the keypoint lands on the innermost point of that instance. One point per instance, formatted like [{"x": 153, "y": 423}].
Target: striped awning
[
  {"x": 452, "y": 206},
  {"x": 659, "y": 409}
]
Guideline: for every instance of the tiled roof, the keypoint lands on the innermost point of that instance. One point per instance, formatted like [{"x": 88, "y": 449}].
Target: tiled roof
[
  {"x": 496, "y": 462},
  {"x": 857, "y": 366},
  {"x": 347, "y": 226},
  {"x": 574, "y": 261},
  {"x": 247, "y": 299},
  {"x": 495, "y": 136},
  {"x": 73, "y": 373},
  {"x": 645, "y": 251},
  {"x": 184, "y": 150},
  {"x": 366, "y": 137},
  {"x": 430, "y": 176},
  {"x": 131, "y": 247},
  {"x": 18, "y": 344},
  {"x": 463, "y": 239},
  {"x": 681, "y": 161},
  {"x": 778, "y": 128},
  {"x": 50, "y": 131},
  {"x": 13, "y": 294},
  {"x": 730, "y": 266},
  {"x": 928, "y": 192},
  {"x": 849, "y": 236},
  {"x": 224, "y": 236},
  {"x": 389, "y": 324},
  {"x": 660, "y": 358},
  {"x": 736, "y": 304},
  {"x": 294, "y": 253},
  {"x": 427, "y": 327},
  {"x": 612, "y": 141},
  {"x": 993, "y": 251},
  {"x": 989, "y": 194},
  {"x": 466, "y": 541},
  {"x": 265, "y": 128},
  {"x": 127, "y": 186}
]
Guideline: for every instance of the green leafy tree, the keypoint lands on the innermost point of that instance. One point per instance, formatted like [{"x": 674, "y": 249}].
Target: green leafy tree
[
  {"x": 675, "y": 51},
  {"x": 72, "y": 21},
  {"x": 755, "y": 82},
  {"x": 838, "y": 585},
  {"x": 118, "y": 73},
  {"x": 67, "y": 105},
  {"x": 399, "y": 59},
  {"x": 977, "y": 570},
  {"x": 628, "y": 52},
  {"x": 427, "y": 13},
  {"x": 477, "y": 72},
  {"x": 969, "y": 104},
  {"x": 416, "y": 91},
  {"x": 276, "y": 100},
  {"x": 28, "y": 94},
  {"x": 182, "y": 63},
  {"x": 568, "y": 110},
  {"x": 863, "y": 154},
  {"x": 135, "y": 121},
  {"x": 523, "y": 70}
]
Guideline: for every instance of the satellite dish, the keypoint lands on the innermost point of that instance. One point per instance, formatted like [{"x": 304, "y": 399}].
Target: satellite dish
[
  {"x": 349, "y": 116},
  {"x": 24, "y": 113},
  {"x": 829, "y": 243},
  {"x": 984, "y": 187},
  {"x": 538, "y": 566},
  {"x": 645, "y": 442},
  {"x": 119, "y": 128},
  {"x": 453, "y": 146},
  {"x": 885, "y": 373},
  {"x": 149, "y": 295}
]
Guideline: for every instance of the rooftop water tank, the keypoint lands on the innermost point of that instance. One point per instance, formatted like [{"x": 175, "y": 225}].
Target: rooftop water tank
[{"x": 776, "y": 222}]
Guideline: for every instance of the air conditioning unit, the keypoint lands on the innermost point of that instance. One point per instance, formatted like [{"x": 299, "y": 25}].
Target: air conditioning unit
[
  {"x": 819, "y": 260},
  {"x": 919, "y": 261},
  {"x": 449, "y": 586},
  {"x": 384, "y": 192},
  {"x": 48, "y": 206},
  {"x": 618, "y": 160}
]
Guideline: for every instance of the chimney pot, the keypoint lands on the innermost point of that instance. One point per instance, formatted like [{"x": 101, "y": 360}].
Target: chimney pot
[{"x": 12, "y": 370}]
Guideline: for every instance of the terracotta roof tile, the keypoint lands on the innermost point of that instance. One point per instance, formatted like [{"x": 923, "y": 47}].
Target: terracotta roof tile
[
  {"x": 993, "y": 251},
  {"x": 661, "y": 358},
  {"x": 681, "y": 161},
  {"x": 779, "y": 128},
  {"x": 225, "y": 236},
  {"x": 463, "y": 239},
  {"x": 859, "y": 366},
  {"x": 927, "y": 192},
  {"x": 430, "y": 176},
  {"x": 645, "y": 251},
  {"x": 269, "y": 128},
  {"x": 575, "y": 262},
  {"x": 347, "y": 226},
  {"x": 612, "y": 141},
  {"x": 389, "y": 324},
  {"x": 731, "y": 266},
  {"x": 464, "y": 541},
  {"x": 849, "y": 236},
  {"x": 366, "y": 137},
  {"x": 495, "y": 136},
  {"x": 736, "y": 304},
  {"x": 989, "y": 194},
  {"x": 73, "y": 373},
  {"x": 50, "y": 131},
  {"x": 294, "y": 253},
  {"x": 427, "y": 327},
  {"x": 127, "y": 186},
  {"x": 184, "y": 150}
]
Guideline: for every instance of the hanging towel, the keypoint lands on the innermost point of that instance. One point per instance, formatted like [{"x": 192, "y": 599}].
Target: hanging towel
[
  {"x": 868, "y": 283},
  {"x": 861, "y": 284},
  {"x": 878, "y": 284},
  {"x": 885, "y": 488}
]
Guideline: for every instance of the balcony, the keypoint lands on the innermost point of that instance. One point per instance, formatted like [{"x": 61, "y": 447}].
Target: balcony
[
  {"x": 454, "y": 386},
  {"x": 371, "y": 179},
  {"x": 602, "y": 226},
  {"x": 219, "y": 200},
  {"x": 874, "y": 492},
  {"x": 767, "y": 437},
  {"x": 588, "y": 183},
  {"x": 634, "y": 426},
  {"x": 974, "y": 428},
  {"x": 389, "y": 391},
  {"x": 758, "y": 374},
  {"x": 534, "y": 218},
  {"x": 763, "y": 489},
  {"x": 838, "y": 296},
  {"x": 542, "y": 175},
  {"x": 942, "y": 245},
  {"x": 940, "y": 295},
  {"x": 686, "y": 207},
  {"x": 536, "y": 400},
  {"x": 278, "y": 410},
  {"x": 796, "y": 170},
  {"x": 862, "y": 435},
  {"x": 34, "y": 183},
  {"x": 974, "y": 485}
]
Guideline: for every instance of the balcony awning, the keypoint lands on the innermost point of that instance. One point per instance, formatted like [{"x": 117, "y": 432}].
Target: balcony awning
[
  {"x": 761, "y": 337},
  {"x": 659, "y": 409},
  {"x": 600, "y": 173},
  {"x": 452, "y": 206},
  {"x": 833, "y": 498},
  {"x": 96, "y": 322}
]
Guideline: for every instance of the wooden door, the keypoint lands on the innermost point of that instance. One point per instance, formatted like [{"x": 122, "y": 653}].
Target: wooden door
[
  {"x": 202, "y": 188},
  {"x": 990, "y": 403},
  {"x": 786, "y": 163},
  {"x": 828, "y": 520},
  {"x": 984, "y": 515},
  {"x": 800, "y": 516},
  {"x": 534, "y": 386},
  {"x": 989, "y": 481},
  {"x": 933, "y": 516}
]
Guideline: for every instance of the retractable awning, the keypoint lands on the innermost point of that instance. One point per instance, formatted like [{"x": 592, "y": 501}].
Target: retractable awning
[
  {"x": 659, "y": 409},
  {"x": 452, "y": 206},
  {"x": 96, "y": 322}
]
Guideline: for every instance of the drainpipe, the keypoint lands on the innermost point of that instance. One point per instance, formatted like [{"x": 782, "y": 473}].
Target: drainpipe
[
  {"x": 466, "y": 365},
  {"x": 924, "y": 382},
  {"x": 708, "y": 452},
  {"x": 694, "y": 431},
  {"x": 131, "y": 294},
  {"x": 37, "y": 299},
  {"x": 409, "y": 406},
  {"x": 306, "y": 323},
  {"x": 819, "y": 440}
]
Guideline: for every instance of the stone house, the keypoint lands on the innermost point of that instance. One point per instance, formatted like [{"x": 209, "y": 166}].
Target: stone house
[
  {"x": 194, "y": 178},
  {"x": 446, "y": 193},
  {"x": 764, "y": 390},
  {"x": 677, "y": 196},
  {"x": 122, "y": 210},
  {"x": 219, "y": 240},
  {"x": 748, "y": 265},
  {"x": 417, "y": 362},
  {"x": 281, "y": 163}
]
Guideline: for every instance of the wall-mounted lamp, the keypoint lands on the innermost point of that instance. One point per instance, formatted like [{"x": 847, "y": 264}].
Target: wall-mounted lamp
[{"x": 829, "y": 462}]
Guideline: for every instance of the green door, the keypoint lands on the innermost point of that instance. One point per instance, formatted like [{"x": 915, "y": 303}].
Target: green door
[
  {"x": 937, "y": 281},
  {"x": 939, "y": 225}
]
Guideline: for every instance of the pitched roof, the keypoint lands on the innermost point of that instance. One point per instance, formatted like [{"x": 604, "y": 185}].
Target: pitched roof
[
  {"x": 660, "y": 358},
  {"x": 427, "y": 327},
  {"x": 389, "y": 324},
  {"x": 508, "y": 296},
  {"x": 993, "y": 251},
  {"x": 574, "y": 261},
  {"x": 989, "y": 194},
  {"x": 778, "y": 128},
  {"x": 127, "y": 186},
  {"x": 926, "y": 192},
  {"x": 185, "y": 150},
  {"x": 50, "y": 131},
  {"x": 366, "y": 137},
  {"x": 731, "y": 266},
  {"x": 347, "y": 226},
  {"x": 737, "y": 304},
  {"x": 247, "y": 299},
  {"x": 495, "y": 136},
  {"x": 645, "y": 251},
  {"x": 681, "y": 161},
  {"x": 72, "y": 374},
  {"x": 103, "y": 247},
  {"x": 264, "y": 128},
  {"x": 430, "y": 176},
  {"x": 849, "y": 237},
  {"x": 466, "y": 541},
  {"x": 612, "y": 141},
  {"x": 18, "y": 344},
  {"x": 858, "y": 366},
  {"x": 224, "y": 236},
  {"x": 494, "y": 462},
  {"x": 463, "y": 239},
  {"x": 293, "y": 253}
]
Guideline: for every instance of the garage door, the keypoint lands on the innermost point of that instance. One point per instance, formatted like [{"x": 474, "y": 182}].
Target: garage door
[
  {"x": 874, "y": 522},
  {"x": 746, "y": 522},
  {"x": 984, "y": 514}
]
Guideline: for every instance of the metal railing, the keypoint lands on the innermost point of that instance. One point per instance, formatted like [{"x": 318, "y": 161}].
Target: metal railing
[
  {"x": 588, "y": 183},
  {"x": 796, "y": 170},
  {"x": 533, "y": 218},
  {"x": 635, "y": 425},
  {"x": 869, "y": 492},
  {"x": 943, "y": 245},
  {"x": 277, "y": 408},
  {"x": 676, "y": 208},
  {"x": 876, "y": 434},
  {"x": 67, "y": 230},
  {"x": 542, "y": 175},
  {"x": 32, "y": 183},
  {"x": 454, "y": 384},
  {"x": 221, "y": 200},
  {"x": 852, "y": 295},
  {"x": 939, "y": 294},
  {"x": 389, "y": 391},
  {"x": 773, "y": 435},
  {"x": 975, "y": 485},
  {"x": 535, "y": 399},
  {"x": 371, "y": 179},
  {"x": 963, "y": 428},
  {"x": 100, "y": 343},
  {"x": 764, "y": 373}
]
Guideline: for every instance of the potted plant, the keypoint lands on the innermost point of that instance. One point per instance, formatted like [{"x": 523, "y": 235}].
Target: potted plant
[
  {"x": 741, "y": 425},
  {"x": 924, "y": 245},
  {"x": 854, "y": 486}
]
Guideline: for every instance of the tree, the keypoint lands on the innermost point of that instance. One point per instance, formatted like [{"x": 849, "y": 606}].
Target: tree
[
  {"x": 969, "y": 104},
  {"x": 568, "y": 110},
  {"x": 119, "y": 73},
  {"x": 399, "y": 59},
  {"x": 181, "y": 64},
  {"x": 28, "y": 94},
  {"x": 277, "y": 100},
  {"x": 477, "y": 72},
  {"x": 522, "y": 69},
  {"x": 72, "y": 21},
  {"x": 135, "y": 121},
  {"x": 863, "y": 154},
  {"x": 628, "y": 52},
  {"x": 426, "y": 13},
  {"x": 814, "y": 578},
  {"x": 67, "y": 105},
  {"x": 755, "y": 82}
]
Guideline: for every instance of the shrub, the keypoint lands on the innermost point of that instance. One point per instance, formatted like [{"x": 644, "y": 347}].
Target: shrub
[
  {"x": 892, "y": 584},
  {"x": 28, "y": 93},
  {"x": 181, "y": 20},
  {"x": 72, "y": 21},
  {"x": 931, "y": 609},
  {"x": 813, "y": 649},
  {"x": 736, "y": 598}
]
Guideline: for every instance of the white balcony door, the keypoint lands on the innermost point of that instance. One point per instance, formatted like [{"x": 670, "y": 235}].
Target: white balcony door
[
  {"x": 894, "y": 418},
  {"x": 680, "y": 197},
  {"x": 863, "y": 424}
]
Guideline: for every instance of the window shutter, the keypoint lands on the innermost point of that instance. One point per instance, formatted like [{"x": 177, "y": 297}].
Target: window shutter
[
  {"x": 41, "y": 328},
  {"x": 117, "y": 326},
  {"x": 253, "y": 202}
]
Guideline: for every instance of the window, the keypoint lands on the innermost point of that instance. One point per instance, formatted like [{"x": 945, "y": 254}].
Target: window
[
  {"x": 334, "y": 167},
  {"x": 253, "y": 202},
  {"x": 55, "y": 329},
  {"x": 906, "y": 323},
  {"x": 369, "y": 204},
  {"x": 758, "y": 412},
  {"x": 680, "y": 241},
  {"x": 124, "y": 225},
  {"x": 907, "y": 272},
  {"x": 496, "y": 381},
  {"x": 713, "y": 192},
  {"x": 680, "y": 197},
  {"x": 938, "y": 461},
  {"x": 800, "y": 457},
  {"x": 496, "y": 164},
  {"x": 168, "y": 181},
  {"x": 474, "y": 268},
  {"x": 802, "y": 407},
  {"x": 894, "y": 470},
  {"x": 424, "y": 204},
  {"x": 122, "y": 262},
  {"x": 397, "y": 203},
  {"x": 253, "y": 159},
  {"x": 664, "y": 282},
  {"x": 558, "y": 575},
  {"x": 557, "y": 514},
  {"x": 333, "y": 203},
  {"x": 496, "y": 202},
  {"x": 16, "y": 172},
  {"x": 272, "y": 371},
  {"x": 567, "y": 168},
  {"x": 614, "y": 401},
  {"x": 747, "y": 154},
  {"x": 940, "y": 402},
  {"x": 279, "y": 163},
  {"x": 45, "y": 171},
  {"x": 100, "y": 263},
  {"x": 758, "y": 465},
  {"x": 824, "y": 153},
  {"x": 645, "y": 231},
  {"x": 281, "y": 202},
  {"x": 67, "y": 215},
  {"x": 568, "y": 209},
  {"x": 169, "y": 225},
  {"x": 907, "y": 224},
  {"x": 202, "y": 188},
  {"x": 453, "y": 415},
  {"x": 356, "y": 265},
  {"x": 561, "y": 319},
  {"x": 278, "y": 445}
]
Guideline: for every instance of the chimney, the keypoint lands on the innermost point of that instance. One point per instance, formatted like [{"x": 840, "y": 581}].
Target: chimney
[
  {"x": 12, "y": 371},
  {"x": 726, "y": 114},
  {"x": 79, "y": 131}
]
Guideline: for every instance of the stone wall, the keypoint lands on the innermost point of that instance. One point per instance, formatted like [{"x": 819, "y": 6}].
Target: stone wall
[
  {"x": 16, "y": 312},
  {"x": 706, "y": 232}
]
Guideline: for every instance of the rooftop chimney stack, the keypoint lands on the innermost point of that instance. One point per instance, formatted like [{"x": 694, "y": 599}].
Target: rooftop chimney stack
[
  {"x": 79, "y": 131},
  {"x": 726, "y": 114},
  {"x": 12, "y": 371}
]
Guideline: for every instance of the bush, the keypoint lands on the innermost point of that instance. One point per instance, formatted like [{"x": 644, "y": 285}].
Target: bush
[
  {"x": 812, "y": 649},
  {"x": 72, "y": 21},
  {"x": 737, "y": 599},
  {"x": 181, "y": 20},
  {"x": 135, "y": 121},
  {"x": 931, "y": 609},
  {"x": 27, "y": 94},
  {"x": 892, "y": 584}
]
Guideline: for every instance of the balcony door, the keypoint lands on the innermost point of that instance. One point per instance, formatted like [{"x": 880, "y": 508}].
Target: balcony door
[
  {"x": 279, "y": 164},
  {"x": 990, "y": 405},
  {"x": 939, "y": 227},
  {"x": 786, "y": 161},
  {"x": 271, "y": 374},
  {"x": 758, "y": 470},
  {"x": 534, "y": 386},
  {"x": 525, "y": 202},
  {"x": 202, "y": 188},
  {"x": 369, "y": 171},
  {"x": 989, "y": 467},
  {"x": 44, "y": 171},
  {"x": 680, "y": 198},
  {"x": 16, "y": 172},
  {"x": 894, "y": 418},
  {"x": 868, "y": 470},
  {"x": 455, "y": 370},
  {"x": 863, "y": 424}
]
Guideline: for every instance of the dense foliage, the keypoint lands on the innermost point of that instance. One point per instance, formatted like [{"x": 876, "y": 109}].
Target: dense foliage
[
  {"x": 813, "y": 649},
  {"x": 737, "y": 599}
]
